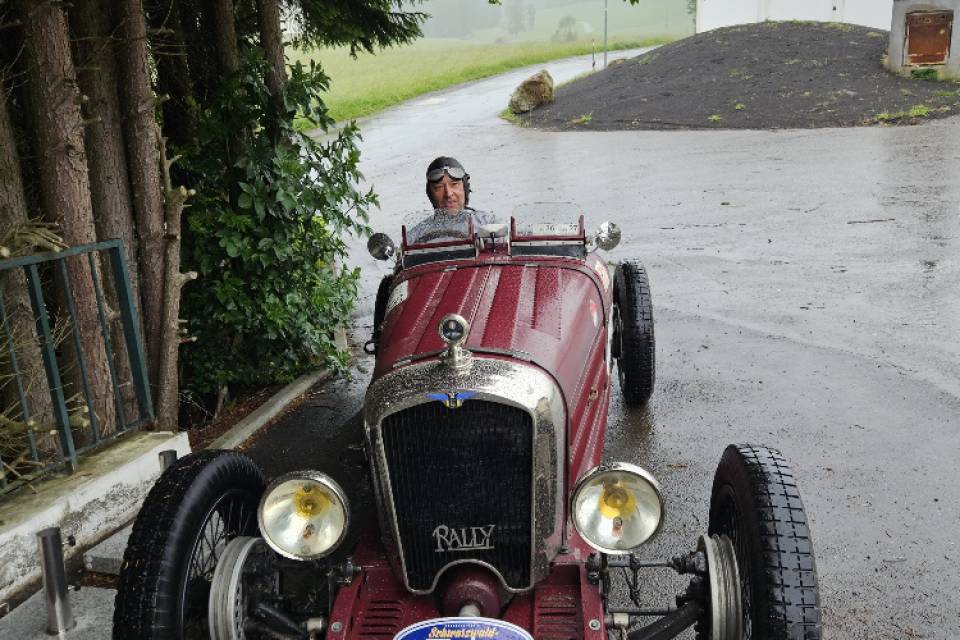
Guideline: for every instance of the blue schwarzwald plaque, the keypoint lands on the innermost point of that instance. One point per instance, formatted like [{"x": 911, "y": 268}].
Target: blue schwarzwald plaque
[{"x": 463, "y": 629}]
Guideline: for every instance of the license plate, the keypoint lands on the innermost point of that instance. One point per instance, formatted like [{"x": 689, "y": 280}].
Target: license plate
[{"x": 463, "y": 629}]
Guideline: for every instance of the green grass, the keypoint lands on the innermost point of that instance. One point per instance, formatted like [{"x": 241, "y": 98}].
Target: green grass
[
  {"x": 510, "y": 117},
  {"x": 647, "y": 58},
  {"x": 925, "y": 74},
  {"x": 373, "y": 82},
  {"x": 916, "y": 111},
  {"x": 584, "y": 119}
]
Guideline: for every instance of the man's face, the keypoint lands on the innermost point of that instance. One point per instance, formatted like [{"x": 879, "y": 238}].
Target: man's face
[{"x": 448, "y": 194}]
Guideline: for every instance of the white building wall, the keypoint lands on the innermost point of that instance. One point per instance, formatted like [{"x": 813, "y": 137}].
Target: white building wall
[{"x": 713, "y": 14}]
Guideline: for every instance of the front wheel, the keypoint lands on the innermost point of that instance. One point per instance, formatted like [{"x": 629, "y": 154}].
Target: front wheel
[
  {"x": 756, "y": 504},
  {"x": 190, "y": 515},
  {"x": 633, "y": 345}
]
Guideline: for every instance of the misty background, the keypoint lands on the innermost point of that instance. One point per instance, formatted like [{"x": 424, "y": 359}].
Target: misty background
[{"x": 557, "y": 20}]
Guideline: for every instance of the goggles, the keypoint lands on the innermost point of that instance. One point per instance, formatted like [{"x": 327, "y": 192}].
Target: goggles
[{"x": 455, "y": 173}]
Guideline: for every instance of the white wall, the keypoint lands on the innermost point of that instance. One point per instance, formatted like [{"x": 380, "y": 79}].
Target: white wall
[{"x": 712, "y": 14}]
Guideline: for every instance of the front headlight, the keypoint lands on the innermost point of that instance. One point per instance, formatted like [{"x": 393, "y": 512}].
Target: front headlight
[
  {"x": 303, "y": 515},
  {"x": 617, "y": 507}
]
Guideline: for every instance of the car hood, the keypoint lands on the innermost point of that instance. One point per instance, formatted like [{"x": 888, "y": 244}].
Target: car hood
[{"x": 548, "y": 313}]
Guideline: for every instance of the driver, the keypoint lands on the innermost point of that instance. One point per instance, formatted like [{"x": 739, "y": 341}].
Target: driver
[
  {"x": 448, "y": 185},
  {"x": 448, "y": 189}
]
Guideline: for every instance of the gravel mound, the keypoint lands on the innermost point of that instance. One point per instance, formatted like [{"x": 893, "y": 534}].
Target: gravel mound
[{"x": 770, "y": 75}]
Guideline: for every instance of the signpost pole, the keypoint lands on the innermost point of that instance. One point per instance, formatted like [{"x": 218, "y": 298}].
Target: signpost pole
[{"x": 604, "y": 34}]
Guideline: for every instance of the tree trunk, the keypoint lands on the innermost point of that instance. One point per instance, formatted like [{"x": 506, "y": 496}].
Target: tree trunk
[
  {"x": 225, "y": 35},
  {"x": 271, "y": 40},
  {"x": 168, "y": 382},
  {"x": 143, "y": 162},
  {"x": 197, "y": 24},
  {"x": 13, "y": 289},
  {"x": 64, "y": 183},
  {"x": 106, "y": 158},
  {"x": 173, "y": 70}
]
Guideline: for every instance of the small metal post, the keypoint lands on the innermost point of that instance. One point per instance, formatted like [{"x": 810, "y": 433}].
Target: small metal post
[
  {"x": 604, "y": 34},
  {"x": 59, "y": 615},
  {"x": 167, "y": 458}
]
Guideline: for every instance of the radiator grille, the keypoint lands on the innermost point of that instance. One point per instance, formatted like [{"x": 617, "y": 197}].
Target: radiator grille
[{"x": 463, "y": 469}]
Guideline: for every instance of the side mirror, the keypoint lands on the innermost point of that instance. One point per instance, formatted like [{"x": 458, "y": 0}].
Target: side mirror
[
  {"x": 607, "y": 236},
  {"x": 381, "y": 247}
]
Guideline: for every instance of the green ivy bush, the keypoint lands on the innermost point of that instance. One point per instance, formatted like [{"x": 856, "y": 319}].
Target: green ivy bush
[{"x": 265, "y": 233}]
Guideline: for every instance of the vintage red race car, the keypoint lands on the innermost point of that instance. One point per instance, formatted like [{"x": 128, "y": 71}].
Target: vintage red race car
[{"x": 485, "y": 421}]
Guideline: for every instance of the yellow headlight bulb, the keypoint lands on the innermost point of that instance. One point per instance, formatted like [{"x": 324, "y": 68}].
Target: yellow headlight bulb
[
  {"x": 309, "y": 501},
  {"x": 616, "y": 501}
]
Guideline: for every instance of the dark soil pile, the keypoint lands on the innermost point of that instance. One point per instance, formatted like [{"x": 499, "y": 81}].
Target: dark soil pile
[{"x": 760, "y": 76}]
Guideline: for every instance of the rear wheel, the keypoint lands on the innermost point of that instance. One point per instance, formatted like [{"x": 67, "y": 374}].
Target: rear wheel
[
  {"x": 756, "y": 504},
  {"x": 633, "y": 345},
  {"x": 193, "y": 511}
]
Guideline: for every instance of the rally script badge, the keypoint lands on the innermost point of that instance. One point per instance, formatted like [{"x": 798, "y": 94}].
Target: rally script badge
[{"x": 462, "y": 538}]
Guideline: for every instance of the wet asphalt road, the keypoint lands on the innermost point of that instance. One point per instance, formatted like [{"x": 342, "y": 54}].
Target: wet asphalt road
[{"x": 807, "y": 296}]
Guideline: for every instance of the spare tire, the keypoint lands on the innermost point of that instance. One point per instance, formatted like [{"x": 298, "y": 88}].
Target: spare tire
[
  {"x": 634, "y": 347},
  {"x": 756, "y": 503},
  {"x": 195, "y": 508}
]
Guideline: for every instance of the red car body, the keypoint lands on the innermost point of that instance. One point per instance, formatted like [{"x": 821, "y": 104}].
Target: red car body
[
  {"x": 552, "y": 314},
  {"x": 484, "y": 427}
]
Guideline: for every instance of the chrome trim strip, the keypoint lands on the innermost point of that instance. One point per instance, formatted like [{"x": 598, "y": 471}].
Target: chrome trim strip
[
  {"x": 513, "y": 353},
  {"x": 548, "y": 243},
  {"x": 520, "y": 355},
  {"x": 428, "y": 250},
  {"x": 417, "y": 356},
  {"x": 507, "y": 382}
]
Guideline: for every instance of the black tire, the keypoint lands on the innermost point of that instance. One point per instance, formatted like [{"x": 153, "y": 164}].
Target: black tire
[
  {"x": 756, "y": 503},
  {"x": 379, "y": 312},
  {"x": 634, "y": 347},
  {"x": 194, "y": 509}
]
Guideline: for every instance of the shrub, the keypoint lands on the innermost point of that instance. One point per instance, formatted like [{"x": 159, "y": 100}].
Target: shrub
[{"x": 265, "y": 233}]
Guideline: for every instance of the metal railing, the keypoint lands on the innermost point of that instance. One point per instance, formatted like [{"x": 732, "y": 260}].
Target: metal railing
[{"x": 47, "y": 277}]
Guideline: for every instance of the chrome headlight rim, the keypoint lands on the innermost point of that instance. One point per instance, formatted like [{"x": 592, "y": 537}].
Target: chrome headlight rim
[
  {"x": 610, "y": 467},
  {"x": 322, "y": 479}
]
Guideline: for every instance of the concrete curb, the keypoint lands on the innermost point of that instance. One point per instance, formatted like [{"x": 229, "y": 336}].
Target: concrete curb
[
  {"x": 106, "y": 491},
  {"x": 240, "y": 432},
  {"x": 108, "y": 555}
]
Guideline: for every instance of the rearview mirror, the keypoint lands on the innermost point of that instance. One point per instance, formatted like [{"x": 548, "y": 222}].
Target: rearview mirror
[
  {"x": 381, "y": 247},
  {"x": 607, "y": 236}
]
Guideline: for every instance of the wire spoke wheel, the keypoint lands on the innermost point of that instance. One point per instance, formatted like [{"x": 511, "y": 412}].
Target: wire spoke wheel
[
  {"x": 229, "y": 517},
  {"x": 731, "y": 524},
  {"x": 755, "y": 503},
  {"x": 241, "y": 569},
  {"x": 187, "y": 520},
  {"x": 726, "y": 609}
]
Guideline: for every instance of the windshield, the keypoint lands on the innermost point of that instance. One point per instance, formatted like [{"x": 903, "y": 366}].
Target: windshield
[
  {"x": 434, "y": 236},
  {"x": 432, "y": 227},
  {"x": 538, "y": 229}
]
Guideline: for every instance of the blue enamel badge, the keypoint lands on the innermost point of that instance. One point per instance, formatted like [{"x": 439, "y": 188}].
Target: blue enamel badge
[
  {"x": 463, "y": 629},
  {"x": 452, "y": 399}
]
